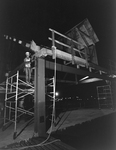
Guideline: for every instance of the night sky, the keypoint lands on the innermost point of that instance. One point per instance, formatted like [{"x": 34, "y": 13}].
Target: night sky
[{"x": 30, "y": 20}]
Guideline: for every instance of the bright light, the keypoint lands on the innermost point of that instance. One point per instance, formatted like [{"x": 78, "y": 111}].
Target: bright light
[
  {"x": 91, "y": 80},
  {"x": 84, "y": 78},
  {"x": 27, "y": 45},
  {"x": 20, "y": 42},
  {"x": 6, "y": 36},
  {"x": 57, "y": 94},
  {"x": 14, "y": 39}
]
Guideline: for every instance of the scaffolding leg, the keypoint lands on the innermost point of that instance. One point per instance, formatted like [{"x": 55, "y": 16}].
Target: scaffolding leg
[
  {"x": 5, "y": 103},
  {"x": 16, "y": 98},
  {"x": 4, "y": 116},
  {"x": 10, "y": 111}
]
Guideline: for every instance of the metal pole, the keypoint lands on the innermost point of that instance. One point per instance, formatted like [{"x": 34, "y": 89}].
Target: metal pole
[
  {"x": 53, "y": 45},
  {"x": 11, "y": 84},
  {"x": 5, "y": 100},
  {"x": 10, "y": 111},
  {"x": 39, "y": 106},
  {"x": 53, "y": 39},
  {"x": 16, "y": 98}
]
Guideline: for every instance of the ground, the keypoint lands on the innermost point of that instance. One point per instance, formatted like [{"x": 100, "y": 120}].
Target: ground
[{"x": 83, "y": 129}]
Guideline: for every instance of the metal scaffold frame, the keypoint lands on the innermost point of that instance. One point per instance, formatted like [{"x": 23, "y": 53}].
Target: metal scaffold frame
[
  {"x": 105, "y": 99},
  {"x": 50, "y": 93},
  {"x": 15, "y": 91}
]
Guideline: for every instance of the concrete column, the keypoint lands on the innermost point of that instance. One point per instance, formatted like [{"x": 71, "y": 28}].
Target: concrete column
[{"x": 39, "y": 105}]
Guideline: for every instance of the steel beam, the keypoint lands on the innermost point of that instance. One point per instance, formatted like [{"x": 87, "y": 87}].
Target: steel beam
[{"x": 72, "y": 70}]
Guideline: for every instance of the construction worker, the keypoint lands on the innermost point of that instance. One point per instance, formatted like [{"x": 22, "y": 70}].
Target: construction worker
[{"x": 27, "y": 68}]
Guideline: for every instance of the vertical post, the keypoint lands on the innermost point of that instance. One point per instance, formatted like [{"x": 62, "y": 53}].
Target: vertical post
[
  {"x": 5, "y": 100},
  {"x": 11, "y": 84},
  {"x": 72, "y": 52},
  {"x": 53, "y": 45},
  {"x": 9, "y": 110},
  {"x": 16, "y": 101},
  {"x": 39, "y": 106},
  {"x": 53, "y": 39}
]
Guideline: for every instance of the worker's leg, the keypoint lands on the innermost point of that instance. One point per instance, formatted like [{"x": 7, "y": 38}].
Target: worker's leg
[
  {"x": 26, "y": 72},
  {"x": 29, "y": 74}
]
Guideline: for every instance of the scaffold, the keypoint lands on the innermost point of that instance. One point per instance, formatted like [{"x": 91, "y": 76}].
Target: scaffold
[{"x": 16, "y": 90}]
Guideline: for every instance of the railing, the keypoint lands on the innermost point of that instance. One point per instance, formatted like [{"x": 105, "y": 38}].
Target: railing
[{"x": 65, "y": 43}]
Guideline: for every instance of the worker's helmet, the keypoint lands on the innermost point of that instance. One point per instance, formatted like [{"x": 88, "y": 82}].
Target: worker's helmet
[{"x": 27, "y": 53}]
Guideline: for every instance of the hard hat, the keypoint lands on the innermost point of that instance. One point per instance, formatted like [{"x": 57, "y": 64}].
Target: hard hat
[{"x": 27, "y": 53}]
